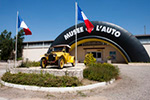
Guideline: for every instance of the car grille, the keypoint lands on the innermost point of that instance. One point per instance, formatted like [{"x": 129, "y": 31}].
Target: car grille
[{"x": 51, "y": 58}]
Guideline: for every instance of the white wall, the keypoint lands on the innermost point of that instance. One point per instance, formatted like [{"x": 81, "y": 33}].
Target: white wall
[
  {"x": 147, "y": 48},
  {"x": 34, "y": 54}
]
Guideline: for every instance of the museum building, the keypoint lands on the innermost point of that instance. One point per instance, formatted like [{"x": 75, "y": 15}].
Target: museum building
[{"x": 107, "y": 40}]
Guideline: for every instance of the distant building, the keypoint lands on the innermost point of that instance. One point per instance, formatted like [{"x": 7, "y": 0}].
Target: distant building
[
  {"x": 145, "y": 40},
  {"x": 33, "y": 50}
]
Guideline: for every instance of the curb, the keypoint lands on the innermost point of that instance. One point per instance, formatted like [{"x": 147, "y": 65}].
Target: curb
[
  {"x": 58, "y": 89},
  {"x": 139, "y": 64}
]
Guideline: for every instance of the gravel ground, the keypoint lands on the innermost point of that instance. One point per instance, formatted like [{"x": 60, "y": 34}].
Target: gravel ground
[{"x": 133, "y": 85}]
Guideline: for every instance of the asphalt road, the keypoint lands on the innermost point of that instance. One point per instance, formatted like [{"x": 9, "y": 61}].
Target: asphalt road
[
  {"x": 133, "y": 85},
  {"x": 3, "y": 67}
]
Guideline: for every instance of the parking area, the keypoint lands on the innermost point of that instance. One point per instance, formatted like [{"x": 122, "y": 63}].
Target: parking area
[{"x": 133, "y": 85}]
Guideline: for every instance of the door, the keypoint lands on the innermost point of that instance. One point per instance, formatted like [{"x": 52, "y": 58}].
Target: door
[{"x": 97, "y": 55}]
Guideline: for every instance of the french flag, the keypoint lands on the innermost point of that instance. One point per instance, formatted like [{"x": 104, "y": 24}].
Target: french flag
[
  {"x": 22, "y": 24},
  {"x": 82, "y": 17}
]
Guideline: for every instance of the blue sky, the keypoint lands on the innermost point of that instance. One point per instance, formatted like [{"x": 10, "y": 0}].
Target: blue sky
[{"x": 49, "y": 18}]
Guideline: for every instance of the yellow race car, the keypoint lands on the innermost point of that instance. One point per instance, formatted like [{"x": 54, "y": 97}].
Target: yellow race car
[{"x": 57, "y": 55}]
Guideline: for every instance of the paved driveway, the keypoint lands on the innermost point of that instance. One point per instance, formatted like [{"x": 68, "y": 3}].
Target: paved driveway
[
  {"x": 3, "y": 67},
  {"x": 134, "y": 85}
]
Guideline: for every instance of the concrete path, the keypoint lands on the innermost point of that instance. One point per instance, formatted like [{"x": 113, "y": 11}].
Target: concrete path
[
  {"x": 133, "y": 85},
  {"x": 3, "y": 67}
]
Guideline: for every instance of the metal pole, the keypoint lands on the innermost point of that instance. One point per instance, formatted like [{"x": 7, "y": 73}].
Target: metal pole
[
  {"x": 76, "y": 16},
  {"x": 144, "y": 29},
  {"x": 16, "y": 40}
]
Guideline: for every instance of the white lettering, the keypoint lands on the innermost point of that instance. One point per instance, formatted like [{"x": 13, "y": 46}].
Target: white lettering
[
  {"x": 81, "y": 29},
  {"x": 113, "y": 30},
  {"x": 97, "y": 29},
  {"x": 73, "y": 32},
  {"x": 66, "y": 36},
  {"x": 108, "y": 30},
  {"x": 103, "y": 29},
  {"x": 101, "y": 26},
  {"x": 78, "y": 30},
  {"x": 117, "y": 34}
]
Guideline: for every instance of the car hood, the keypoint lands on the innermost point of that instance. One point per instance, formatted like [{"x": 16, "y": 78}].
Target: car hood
[{"x": 57, "y": 53}]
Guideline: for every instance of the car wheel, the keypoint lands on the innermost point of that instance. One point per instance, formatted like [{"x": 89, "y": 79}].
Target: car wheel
[
  {"x": 43, "y": 63},
  {"x": 73, "y": 64},
  {"x": 61, "y": 63}
]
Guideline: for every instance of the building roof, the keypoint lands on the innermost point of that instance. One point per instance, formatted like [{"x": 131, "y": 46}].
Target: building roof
[
  {"x": 143, "y": 36},
  {"x": 64, "y": 45},
  {"x": 38, "y": 41}
]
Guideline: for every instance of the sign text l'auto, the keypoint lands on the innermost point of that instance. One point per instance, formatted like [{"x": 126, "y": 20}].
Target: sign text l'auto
[{"x": 99, "y": 28}]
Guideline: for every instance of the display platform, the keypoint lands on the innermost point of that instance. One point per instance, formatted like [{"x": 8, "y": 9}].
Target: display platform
[{"x": 76, "y": 71}]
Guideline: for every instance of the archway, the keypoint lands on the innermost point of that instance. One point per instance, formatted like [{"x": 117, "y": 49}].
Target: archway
[{"x": 129, "y": 47}]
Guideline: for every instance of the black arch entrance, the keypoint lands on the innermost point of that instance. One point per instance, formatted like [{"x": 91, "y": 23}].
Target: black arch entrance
[{"x": 131, "y": 49}]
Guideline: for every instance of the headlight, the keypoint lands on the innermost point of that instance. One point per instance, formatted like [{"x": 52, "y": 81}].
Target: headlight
[
  {"x": 46, "y": 54},
  {"x": 54, "y": 55}
]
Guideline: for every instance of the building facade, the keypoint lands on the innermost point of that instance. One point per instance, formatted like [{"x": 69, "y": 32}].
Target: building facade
[
  {"x": 33, "y": 50},
  {"x": 106, "y": 40}
]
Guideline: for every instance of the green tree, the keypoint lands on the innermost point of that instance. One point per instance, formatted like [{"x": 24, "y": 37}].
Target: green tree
[
  {"x": 6, "y": 45},
  {"x": 19, "y": 43}
]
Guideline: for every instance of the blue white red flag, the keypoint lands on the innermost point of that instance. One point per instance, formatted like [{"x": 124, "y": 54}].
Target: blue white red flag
[
  {"x": 22, "y": 24},
  {"x": 82, "y": 17}
]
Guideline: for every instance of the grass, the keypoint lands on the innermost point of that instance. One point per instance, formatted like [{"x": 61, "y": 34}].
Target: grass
[
  {"x": 20, "y": 58},
  {"x": 44, "y": 80}
]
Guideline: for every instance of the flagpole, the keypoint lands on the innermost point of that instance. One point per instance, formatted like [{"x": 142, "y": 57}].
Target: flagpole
[
  {"x": 76, "y": 16},
  {"x": 16, "y": 40}
]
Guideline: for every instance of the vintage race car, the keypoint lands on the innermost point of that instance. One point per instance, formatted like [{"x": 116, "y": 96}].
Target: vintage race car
[{"x": 57, "y": 55}]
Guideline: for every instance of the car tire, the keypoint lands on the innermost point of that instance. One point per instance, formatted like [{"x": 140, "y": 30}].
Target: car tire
[
  {"x": 73, "y": 64},
  {"x": 43, "y": 63},
  {"x": 61, "y": 63}
]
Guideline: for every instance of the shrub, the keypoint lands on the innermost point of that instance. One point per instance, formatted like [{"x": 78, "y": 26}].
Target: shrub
[
  {"x": 20, "y": 58},
  {"x": 30, "y": 64},
  {"x": 101, "y": 72},
  {"x": 45, "y": 80},
  {"x": 89, "y": 59},
  {"x": 109, "y": 58}
]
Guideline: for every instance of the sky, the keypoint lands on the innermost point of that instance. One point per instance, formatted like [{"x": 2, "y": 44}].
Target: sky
[{"x": 47, "y": 19}]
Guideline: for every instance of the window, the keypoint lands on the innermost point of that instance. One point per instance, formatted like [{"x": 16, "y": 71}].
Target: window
[
  {"x": 94, "y": 54},
  {"x": 112, "y": 55},
  {"x": 98, "y": 54}
]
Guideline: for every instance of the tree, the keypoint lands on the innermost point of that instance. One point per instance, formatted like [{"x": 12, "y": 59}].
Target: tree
[
  {"x": 6, "y": 45},
  {"x": 19, "y": 43}
]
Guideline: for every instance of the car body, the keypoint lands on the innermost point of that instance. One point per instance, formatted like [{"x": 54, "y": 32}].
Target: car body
[{"x": 57, "y": 55}]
